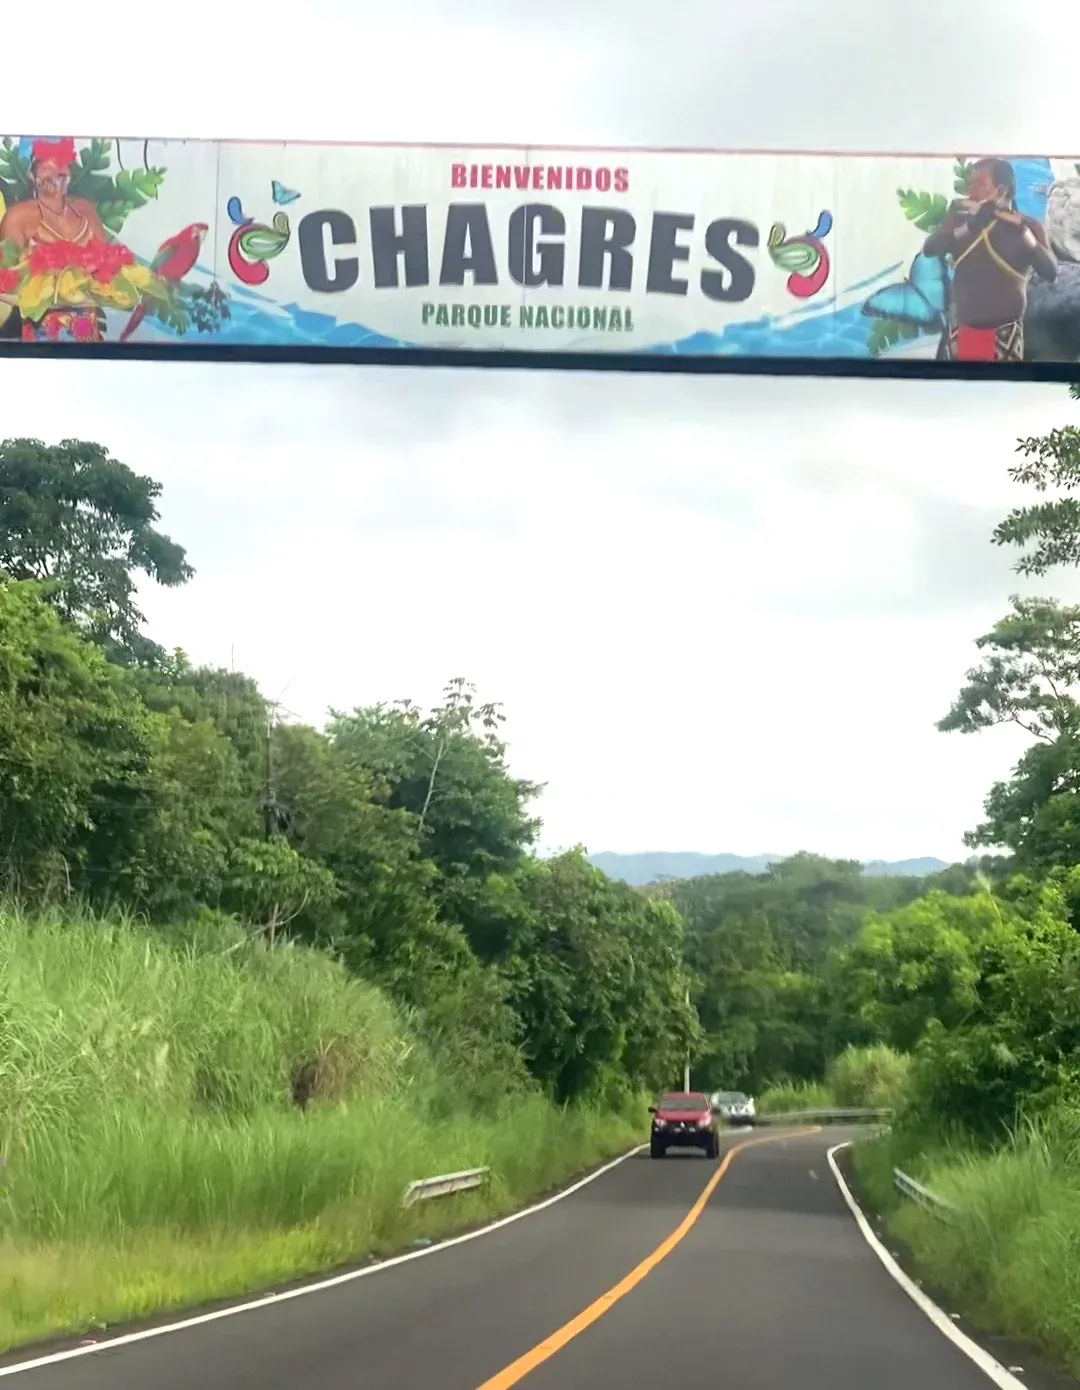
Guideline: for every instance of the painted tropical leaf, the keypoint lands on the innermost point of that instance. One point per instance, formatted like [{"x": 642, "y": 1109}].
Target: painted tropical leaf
[
  {"x": 962, "y": 175},
  {"x": 926, "y": 210},
  {"x": 90, "y": 177},
  {"x": 116, "y": 196},
  {"x": 886, "y": 333},
  {"x": 14, "y": 173}
]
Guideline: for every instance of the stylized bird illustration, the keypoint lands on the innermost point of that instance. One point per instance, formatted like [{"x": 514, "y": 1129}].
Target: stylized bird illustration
[{"x": 173, "y": 260}]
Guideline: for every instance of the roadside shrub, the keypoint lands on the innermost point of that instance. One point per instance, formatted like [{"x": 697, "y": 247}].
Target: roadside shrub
[
  {"x": 795, "y": 1095},
  {"x": 874, "y": 1078},
  {"x": 191, "y": 1115},
  {"x": 1010, "y": 1254}
]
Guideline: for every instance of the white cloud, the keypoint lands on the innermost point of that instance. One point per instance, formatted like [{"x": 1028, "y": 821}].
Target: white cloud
[{"x": 722, "y": 614}]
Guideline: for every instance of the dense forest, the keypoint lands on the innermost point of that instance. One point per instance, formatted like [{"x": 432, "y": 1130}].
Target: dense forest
[
  {"x": 971, "y": 976},
  {"x": 397, "y": 840},
  {"x": 377, "y": 880}
]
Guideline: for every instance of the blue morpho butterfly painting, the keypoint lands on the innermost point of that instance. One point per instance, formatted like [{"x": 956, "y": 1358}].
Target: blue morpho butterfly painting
[
  {"x": 239, "y": 218},
  {"x": 920, "y": 301}
]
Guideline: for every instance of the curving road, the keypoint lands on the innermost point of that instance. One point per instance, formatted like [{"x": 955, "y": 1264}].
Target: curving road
[{"x": 748, "y": 1273}]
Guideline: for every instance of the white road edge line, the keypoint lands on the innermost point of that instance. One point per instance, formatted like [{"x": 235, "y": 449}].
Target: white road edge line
[
  {"x": 1001, "y": 1377},
  {"x": 269, "y": 1300}
]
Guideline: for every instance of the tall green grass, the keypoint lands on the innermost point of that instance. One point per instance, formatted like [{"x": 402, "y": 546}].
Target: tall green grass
[
  {"x": 153, "y": 1152},
  {"x": 870, "y": 1078},
  {"x": 1010, "y": 1256},
  {"x": 795, "y": 1095},
  {"x": 866, "y": 1078}
]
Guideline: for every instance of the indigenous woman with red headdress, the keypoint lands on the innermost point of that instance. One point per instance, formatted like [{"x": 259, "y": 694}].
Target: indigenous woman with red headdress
[{"x": 53, "y": 218}]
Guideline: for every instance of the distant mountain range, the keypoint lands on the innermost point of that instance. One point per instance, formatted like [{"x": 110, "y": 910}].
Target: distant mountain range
[{"x": 639, "y": 869}]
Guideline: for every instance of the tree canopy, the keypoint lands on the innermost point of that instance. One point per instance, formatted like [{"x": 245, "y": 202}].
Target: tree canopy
[
  {"x": 396, "y": 838},
  {"x": 82, "y": 524},
  {"x": 1047, "y": 533},
  {"x": 399, "y": 840}
]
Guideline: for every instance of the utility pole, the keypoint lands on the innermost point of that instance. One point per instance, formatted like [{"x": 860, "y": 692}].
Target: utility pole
[
  {"x": 269, "y": 797},
  {"x": 277, "y": 818},
  {"x": 686, "y": 1069}
]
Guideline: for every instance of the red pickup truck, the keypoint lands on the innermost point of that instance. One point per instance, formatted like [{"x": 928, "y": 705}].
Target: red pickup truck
[{"x": 684, "y": 1120}]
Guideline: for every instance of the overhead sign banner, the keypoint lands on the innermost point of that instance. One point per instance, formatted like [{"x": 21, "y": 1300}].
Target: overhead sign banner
[{"x": 350, "y": 247}]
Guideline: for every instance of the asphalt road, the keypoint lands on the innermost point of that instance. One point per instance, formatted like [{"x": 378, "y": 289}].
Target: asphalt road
[{"x": 771, "y": 1287}]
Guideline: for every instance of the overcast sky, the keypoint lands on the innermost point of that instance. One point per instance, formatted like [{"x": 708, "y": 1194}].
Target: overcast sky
[{"x": 721, "y": 614}]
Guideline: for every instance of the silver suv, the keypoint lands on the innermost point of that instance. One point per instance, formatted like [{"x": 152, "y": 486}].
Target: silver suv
[{"x": 734, "y": 1107}]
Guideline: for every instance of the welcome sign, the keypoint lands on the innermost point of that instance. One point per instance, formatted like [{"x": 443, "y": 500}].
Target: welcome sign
[{"x": 342, "y": 248}]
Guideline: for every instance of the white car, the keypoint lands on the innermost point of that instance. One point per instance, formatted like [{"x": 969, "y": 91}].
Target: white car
[{"x": 734, "y": 1107}]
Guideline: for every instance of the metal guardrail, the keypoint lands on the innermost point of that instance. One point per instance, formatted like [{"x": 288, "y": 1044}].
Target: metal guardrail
[
  {"x": 442, "y": 1186},
  {"x": 916, "y": 1192},
  {"x": 835, "y": 1116}
]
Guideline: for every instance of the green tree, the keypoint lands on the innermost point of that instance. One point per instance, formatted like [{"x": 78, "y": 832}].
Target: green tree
[
  {"x": 1030, "y": 676},
  {"x": 811, "y": 903},
  {"x": 385, "y": 910},
  {"x": 1013, "y": 1050},
  {"x": 384, "y": 921},
  {"x": 762, "y": 948},
  {"x": 399, "y": 839},
  {"x": 1048, "y": 533},
  {"x": 75, "y": 742},
  {"x": 918, "y": 964},
  {"x": 229, "y": 700},
  {"x": 446, "y": 771},
  {"x": 82, "y": 523},
  {"x": 1029, "y": 673},
  {"x": 164, "y": 846},
  {"x": 763, "y": 1020},
  {"x": 958, "y": 880},
  {"x": 168, "y": 851},
  {"x": 1031, "y": 670},
  {"x": 1036, "y": 812},
  {"x": 597, "y": 979},
  {"x": 269, "y": 885},
  {"x": 448, "y": 768},
  {"x": 736, "y": 970}
]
